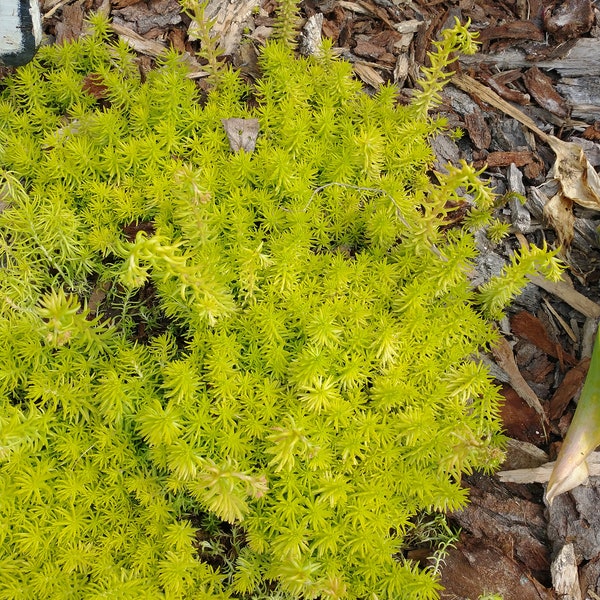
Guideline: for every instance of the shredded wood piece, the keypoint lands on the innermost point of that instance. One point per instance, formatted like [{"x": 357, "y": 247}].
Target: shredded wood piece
[
  {"x": 565, "y": 578},
  {"x": 541, "y": 474},
  {"x": 504, "y": 357},
  {"x": 572, "y": 297}
]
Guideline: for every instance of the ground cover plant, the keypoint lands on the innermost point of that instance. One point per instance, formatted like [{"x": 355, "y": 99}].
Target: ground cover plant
[{"x": 278, "y": 339}]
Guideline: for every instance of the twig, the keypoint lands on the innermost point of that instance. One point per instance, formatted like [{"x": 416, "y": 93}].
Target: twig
[
  {"x": 541, "y": 474},
  {"x": 472, "y": 86},
  {"x": 56, "y": 7},
  {"x": 572, "y": 297}
]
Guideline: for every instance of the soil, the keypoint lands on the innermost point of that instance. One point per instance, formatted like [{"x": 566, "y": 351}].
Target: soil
[{"x": 543, "y": 59}]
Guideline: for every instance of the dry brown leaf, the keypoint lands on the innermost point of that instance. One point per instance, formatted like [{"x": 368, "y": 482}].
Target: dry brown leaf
[
  {"x": 578, "y": 179},
  {"x": 94, "y": 85},
  {"x": 558, "y": 212},
  {"x": 579, "y": 183},
  {"x": 241, "y": 133}
]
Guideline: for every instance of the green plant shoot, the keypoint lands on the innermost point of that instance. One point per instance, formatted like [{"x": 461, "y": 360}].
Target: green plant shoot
[
  {"x": 582, "y": 437},
  {"x": 279, "y": 342}
]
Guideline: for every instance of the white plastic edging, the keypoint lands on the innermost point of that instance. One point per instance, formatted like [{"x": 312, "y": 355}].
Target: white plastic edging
[{"x": 20, "y": 31}]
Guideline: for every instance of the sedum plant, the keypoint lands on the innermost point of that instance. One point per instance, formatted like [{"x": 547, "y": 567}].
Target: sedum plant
[{"x": 280, "y": 340}]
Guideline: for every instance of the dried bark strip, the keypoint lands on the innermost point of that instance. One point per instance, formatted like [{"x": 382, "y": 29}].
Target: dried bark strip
[
  {"x": 529, "y": 327},
  {"x": 515, "y": 30},
  {"x": 569, "y": 387},
  {"x": 504, "y": 356},
  {"x": 520, "y": 158},
  {"x": 541, "y": 88},
  {"x": 572, "y": 297}
]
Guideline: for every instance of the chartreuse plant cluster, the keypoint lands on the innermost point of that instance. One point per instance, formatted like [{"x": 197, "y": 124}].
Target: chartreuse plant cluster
[{"x": 282, "y": 339}]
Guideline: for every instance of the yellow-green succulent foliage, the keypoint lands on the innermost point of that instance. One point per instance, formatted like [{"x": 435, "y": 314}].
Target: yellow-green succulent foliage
[{"x": 282, "y": 339}]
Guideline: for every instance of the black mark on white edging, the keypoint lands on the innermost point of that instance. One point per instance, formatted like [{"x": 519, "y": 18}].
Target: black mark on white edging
[{"x": 20, "y": 31}]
